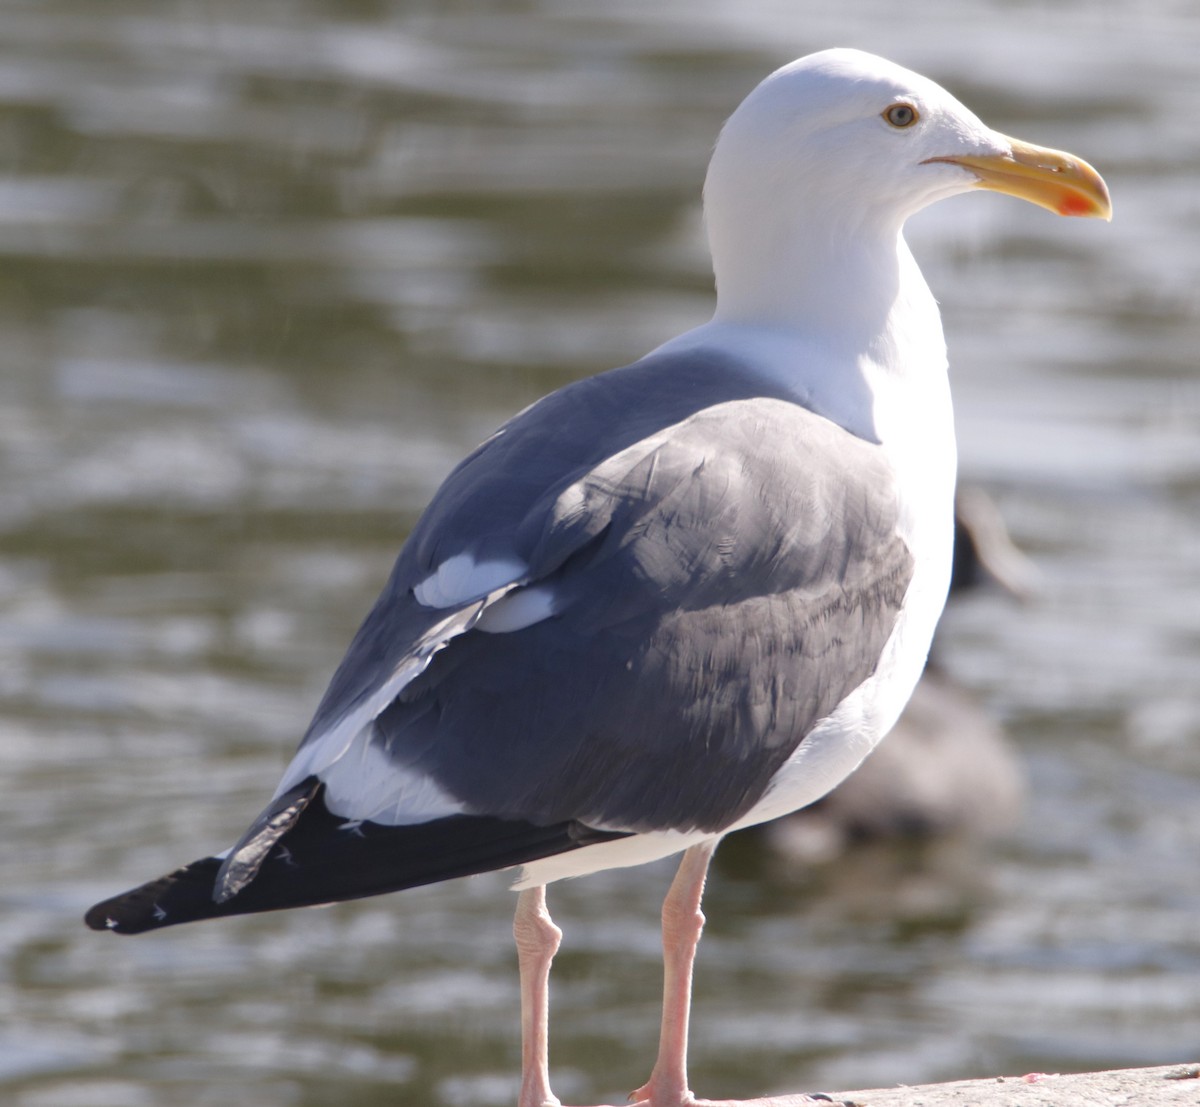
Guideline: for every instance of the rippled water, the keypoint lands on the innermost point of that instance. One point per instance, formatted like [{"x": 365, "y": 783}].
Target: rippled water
[{"x": 267, "y": 272}]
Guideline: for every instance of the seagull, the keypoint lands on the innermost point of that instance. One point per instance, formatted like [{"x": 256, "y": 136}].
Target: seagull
[{"x": 675, "y": 599}]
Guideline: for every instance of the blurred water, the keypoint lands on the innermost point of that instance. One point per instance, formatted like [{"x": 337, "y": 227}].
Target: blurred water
[{"x": 268, "y": 271}]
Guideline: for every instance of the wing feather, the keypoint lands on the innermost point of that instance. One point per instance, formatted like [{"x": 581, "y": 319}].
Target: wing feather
[{"x": 696, "y": 569}]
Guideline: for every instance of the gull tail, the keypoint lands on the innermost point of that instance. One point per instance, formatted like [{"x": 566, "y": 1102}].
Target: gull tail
[{"x": 299, "y": 854}]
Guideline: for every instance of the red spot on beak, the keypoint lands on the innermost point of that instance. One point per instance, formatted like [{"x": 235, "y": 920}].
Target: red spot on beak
[{"x": 1074, "y": 205}]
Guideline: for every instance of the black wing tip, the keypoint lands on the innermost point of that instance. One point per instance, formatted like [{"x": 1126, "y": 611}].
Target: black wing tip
[
  {"x": 115, "y": 916},
  {"x": 139, "y": 910},
  {"x": 320, "y": 858}
]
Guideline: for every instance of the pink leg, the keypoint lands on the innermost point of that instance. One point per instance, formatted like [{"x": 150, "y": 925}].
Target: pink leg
[
  {"x": 682, "y": 922},
  {"x": 537, "y": 941}
]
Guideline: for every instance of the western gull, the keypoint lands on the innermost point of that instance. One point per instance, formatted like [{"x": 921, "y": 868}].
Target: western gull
[{"x": 677, "y": 598}]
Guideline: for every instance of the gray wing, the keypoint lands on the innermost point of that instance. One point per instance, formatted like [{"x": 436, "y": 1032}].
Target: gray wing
[
  {"x": 715, "y": 569},
  {"x": 501, "y": 502},
  {"x": 622, "y": 613}
]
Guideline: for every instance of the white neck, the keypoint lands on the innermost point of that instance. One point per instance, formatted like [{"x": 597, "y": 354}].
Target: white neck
[
  {"x": 849, "y": 332},
  {"x": 822, "y": 279}
]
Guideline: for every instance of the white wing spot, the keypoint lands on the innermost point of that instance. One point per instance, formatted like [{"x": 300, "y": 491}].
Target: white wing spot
[
  {"x": 285, "y": 855},
  {"x": 519, "y": 609},
  {"x": 460, "y": 579},
  {"x": 353, "y": 826},
  {"x": 366, "y": 785},
  {"x": 110, "y": 924},
  {"x": 159, "y": 913}
]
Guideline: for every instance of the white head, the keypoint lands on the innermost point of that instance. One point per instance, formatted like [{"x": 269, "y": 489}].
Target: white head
[{"x": 829, "y": 156}]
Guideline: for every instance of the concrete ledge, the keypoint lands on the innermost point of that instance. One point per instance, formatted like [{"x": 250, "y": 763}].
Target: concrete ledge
[{"x": 1167, "y": 1085}]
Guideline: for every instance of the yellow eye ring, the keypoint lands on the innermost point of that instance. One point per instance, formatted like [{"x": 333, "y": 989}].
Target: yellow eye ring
[{"x": 901, "y": 115}]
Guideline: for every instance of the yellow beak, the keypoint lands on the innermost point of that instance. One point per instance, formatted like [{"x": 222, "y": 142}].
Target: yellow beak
[{"x": 1052, "y": 179}]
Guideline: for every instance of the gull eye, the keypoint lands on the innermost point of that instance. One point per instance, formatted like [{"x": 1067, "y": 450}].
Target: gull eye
[{"x": 901, "y": 115}]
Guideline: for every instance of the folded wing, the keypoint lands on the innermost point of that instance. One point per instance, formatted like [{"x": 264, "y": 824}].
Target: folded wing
[{"x": 621, "y": 614}]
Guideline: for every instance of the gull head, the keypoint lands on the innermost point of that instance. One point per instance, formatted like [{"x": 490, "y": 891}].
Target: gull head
[
  {"x": 846, "y": 130},
  {"x": 832, "y": 153}
]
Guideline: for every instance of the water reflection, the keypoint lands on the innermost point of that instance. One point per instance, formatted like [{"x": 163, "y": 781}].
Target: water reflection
[{"x": 268, "y": 274}]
